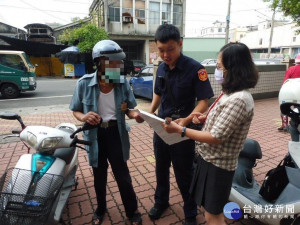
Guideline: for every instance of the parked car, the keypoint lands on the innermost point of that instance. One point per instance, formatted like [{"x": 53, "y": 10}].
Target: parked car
[
  {"x": 142, "y": 83},
  {"x": 132, "y": 67},
  {"x": 138, "y": 65},
  {"x": 209, "y": 62},
  {"x": 265, "y": 62}
]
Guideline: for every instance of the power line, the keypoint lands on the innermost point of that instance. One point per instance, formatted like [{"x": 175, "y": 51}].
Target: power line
[
  {"x": 84, "y": 3},
  {"x": 49, "y": 14},
  {"x": 44, "y": 10}
]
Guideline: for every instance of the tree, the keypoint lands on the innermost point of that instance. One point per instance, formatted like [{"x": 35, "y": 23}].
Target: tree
[
  {"x": 288, "y": 7},
  {"x": 87, "y": 36}
]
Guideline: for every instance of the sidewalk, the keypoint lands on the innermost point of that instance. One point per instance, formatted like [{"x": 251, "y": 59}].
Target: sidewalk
[{"x": 82, "y": 202}]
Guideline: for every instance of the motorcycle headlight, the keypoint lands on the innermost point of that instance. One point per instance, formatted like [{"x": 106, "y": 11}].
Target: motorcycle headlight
[
  {"x": 50, "y": 143},
  {"x": 31, "y": 139}
]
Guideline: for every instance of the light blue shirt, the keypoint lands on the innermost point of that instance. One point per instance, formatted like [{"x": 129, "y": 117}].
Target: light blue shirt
[{"x": 85, "y": 99}]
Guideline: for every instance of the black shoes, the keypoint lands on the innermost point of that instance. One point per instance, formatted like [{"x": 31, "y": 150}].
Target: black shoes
[
  {"x": 283, "y": 129},
  {"x": 156, "y": 211},
  {"x": 98, "y": 217},
  {"x": 190, "y": 221}
]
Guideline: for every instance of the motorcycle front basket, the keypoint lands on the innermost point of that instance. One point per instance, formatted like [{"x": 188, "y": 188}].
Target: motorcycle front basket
[{"x": 27, "y": 197}]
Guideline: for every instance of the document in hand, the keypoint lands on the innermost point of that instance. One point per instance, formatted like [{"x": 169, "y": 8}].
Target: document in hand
[{"x": 155, "y": 123}]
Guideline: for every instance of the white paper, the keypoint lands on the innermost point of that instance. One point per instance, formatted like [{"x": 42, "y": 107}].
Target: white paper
[{"x": 155, "y": 123}]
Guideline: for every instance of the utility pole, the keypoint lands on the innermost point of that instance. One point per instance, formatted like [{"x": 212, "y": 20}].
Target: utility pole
[
  {"x": 271, "y": 34},
  {"x": 227, "y": 22}
]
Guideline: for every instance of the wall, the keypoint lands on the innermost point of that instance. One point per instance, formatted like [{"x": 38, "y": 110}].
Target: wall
[
  {"x": 47, "y": 66},
  {"x": 202, "y": 48},
  {"x": 269, "y": 83},
  {"x": 284, "y": 36}
]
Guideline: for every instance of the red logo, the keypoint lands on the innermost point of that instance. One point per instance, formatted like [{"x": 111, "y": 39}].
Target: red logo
[{"x": 202, "y": 74}]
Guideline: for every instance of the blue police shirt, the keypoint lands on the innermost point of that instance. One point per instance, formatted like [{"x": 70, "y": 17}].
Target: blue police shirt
[
  {"x": 185, "y": 86},
  {"x": 85, "y": 99}
]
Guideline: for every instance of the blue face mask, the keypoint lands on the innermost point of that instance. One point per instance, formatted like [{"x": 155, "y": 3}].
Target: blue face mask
[{"x": 219, "y": 76}]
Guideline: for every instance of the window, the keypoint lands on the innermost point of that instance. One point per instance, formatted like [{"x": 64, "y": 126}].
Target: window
[
  {"x": 219, "y": 30},
  {"x": 294, "y": 39},
  {"x": 177, "y": 15},
  {"x": 260, "y": 41},
  {"x": 13, "y": 61},
  {"x": 34, "y": 31},
  {"x": 144, "y": 72},
  {"x": 140, "y": 14},
  {"x": 154, "y": 13},
  {"x": 166, "y": 15},
  {"x": 114, "y": 14},
  {"x": 151, "y": 70},
  {"x": 38, "y": 31},
  {"x": 43, "y": 31}
]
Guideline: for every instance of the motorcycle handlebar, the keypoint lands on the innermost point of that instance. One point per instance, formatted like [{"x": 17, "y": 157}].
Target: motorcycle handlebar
[
  {"x": 84, "y": 142},
  {"x": 16, "y": 131}
]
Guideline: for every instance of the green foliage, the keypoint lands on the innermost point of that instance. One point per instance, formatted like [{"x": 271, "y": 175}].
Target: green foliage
[
  {"x": 291, "y": 8},
  {"x": 87, "y": 35},
  {"x": 288, "y": 7}
]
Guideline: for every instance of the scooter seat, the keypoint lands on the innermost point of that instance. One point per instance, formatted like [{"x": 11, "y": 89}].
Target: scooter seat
[
  {"x": 251, "y": 149},
  {"x": 65, "y": 154}
]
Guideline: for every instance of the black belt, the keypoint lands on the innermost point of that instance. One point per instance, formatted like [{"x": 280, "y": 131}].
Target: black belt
[{"x": 109, "y": 123}]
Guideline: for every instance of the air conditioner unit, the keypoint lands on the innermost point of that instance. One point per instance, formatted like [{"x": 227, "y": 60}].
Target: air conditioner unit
[{"x": 126, "y": 19}]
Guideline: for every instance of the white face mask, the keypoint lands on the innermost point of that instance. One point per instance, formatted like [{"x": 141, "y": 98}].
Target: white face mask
[{"x": 219, "y": 76}]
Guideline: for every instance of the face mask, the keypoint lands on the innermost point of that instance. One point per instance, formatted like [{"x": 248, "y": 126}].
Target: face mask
[
  {"x": 219, "y": 76},
  {"x": 112, "y": 73}
]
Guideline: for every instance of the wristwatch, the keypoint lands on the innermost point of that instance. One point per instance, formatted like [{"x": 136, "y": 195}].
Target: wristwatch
[{"x": 183, "y": 131}]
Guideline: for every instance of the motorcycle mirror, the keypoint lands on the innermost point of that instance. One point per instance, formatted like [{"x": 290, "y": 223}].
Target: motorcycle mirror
[
  {"x": 12, "y": 116},
  {"x": 9, "y": 116}
]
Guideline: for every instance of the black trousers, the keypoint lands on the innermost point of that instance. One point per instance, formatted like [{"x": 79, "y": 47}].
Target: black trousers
[
  {"x": 110, "y": 150},
  {"x": 181, "y": 155}
]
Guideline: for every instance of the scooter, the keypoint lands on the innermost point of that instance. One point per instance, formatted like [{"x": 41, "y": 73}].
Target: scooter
[
  {"x": 36, "y": 190},
  {"x": 245, "y": 190}
]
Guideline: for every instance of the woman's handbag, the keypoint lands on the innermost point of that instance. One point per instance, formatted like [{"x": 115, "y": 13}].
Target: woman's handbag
[{"x": 276, "y": 180}]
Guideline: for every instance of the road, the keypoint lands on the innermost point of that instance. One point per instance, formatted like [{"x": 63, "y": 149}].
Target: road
[
  {"x": 52, "y": 94},
  {"x": 49, "y": 92}
]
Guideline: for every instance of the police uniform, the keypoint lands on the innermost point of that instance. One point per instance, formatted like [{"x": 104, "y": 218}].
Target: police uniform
[{"x": 178, "y": 89}]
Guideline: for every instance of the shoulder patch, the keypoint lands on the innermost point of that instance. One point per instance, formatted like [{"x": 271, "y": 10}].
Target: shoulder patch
[{"x": 202, "y": 74}]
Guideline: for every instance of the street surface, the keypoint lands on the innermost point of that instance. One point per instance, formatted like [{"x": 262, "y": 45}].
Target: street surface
[{"x": 51, "y": 95}]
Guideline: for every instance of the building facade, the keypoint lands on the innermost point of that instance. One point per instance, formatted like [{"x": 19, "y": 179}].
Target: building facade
[
  {"x": 285, "y": 41},
  {"x": 13, "y": 32},
  {"x": 40, "y": 33},
  {"x": 132, "y": 23},
  {"x": 217, "y": 30}
]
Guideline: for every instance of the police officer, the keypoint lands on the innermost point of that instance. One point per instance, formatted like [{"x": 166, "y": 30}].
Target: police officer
[
  {"x": 106, "y": 96},
  {"x": 180, "y": 81}
]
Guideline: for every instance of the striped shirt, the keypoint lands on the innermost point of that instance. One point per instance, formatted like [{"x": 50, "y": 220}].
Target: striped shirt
[{"x": 229, "y": 121}]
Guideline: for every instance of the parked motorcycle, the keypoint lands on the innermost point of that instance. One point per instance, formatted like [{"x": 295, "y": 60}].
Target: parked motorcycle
[
  {"x": 245, "y": 191},
  {"x": 36, "y": 190}
]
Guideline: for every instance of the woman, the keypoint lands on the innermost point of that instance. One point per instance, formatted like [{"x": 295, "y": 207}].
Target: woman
[{"x": 226, "y": 126}]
